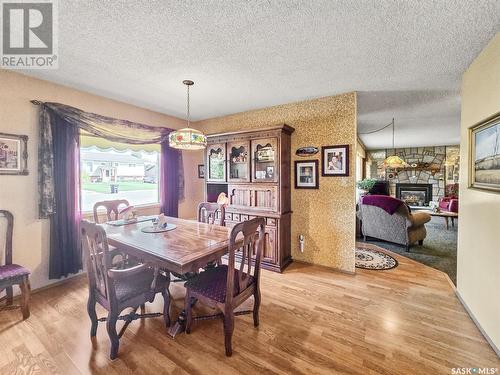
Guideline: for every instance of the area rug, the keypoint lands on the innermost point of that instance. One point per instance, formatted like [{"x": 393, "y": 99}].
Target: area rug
[
  {"x": 372, "y": 259},
  {"x": 439, "y": 250}
]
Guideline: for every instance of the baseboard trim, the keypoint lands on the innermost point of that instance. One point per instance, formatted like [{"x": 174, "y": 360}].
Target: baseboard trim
[
  {"x": 447, "y": 277},
  {"x": 492, "y": 344},
  {"x": 65, "y": 280},
  {"x": 335, "y": 269},
  {"x": 52, "y": 285}
]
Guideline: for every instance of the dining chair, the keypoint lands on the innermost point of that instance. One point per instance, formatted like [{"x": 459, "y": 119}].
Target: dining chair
[
  {"x": 112, "y": 213},
  {"x": 118, "y": 289},
  {"x": 14, "y": 274},
  {"x": 226, "y": 287},
  {"x": 111, "y": 206},
  {"x": 207, "y": 213}
]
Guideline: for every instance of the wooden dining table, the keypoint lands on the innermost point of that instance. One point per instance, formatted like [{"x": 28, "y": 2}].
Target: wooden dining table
[{"x": 187, "y": 248}]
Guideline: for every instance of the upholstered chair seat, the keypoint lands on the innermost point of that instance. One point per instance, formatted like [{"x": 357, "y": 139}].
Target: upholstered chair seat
[
  {"x": 140, "y": 284},
  {"x": 212, "y": 283},
  {"x": 11, "y": 272}
]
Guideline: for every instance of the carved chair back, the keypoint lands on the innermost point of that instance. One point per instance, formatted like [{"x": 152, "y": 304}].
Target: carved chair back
[
  {"x": 9, "y": 218},
  {"x": 247, "y": 237},
  {"x": 98, "y": 259},
  {"x": 207, "y": 213},
  {"x": 112, "y": 207}
]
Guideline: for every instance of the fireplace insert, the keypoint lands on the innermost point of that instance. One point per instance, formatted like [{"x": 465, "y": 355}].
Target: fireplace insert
[{"x": 414, "y": 194}]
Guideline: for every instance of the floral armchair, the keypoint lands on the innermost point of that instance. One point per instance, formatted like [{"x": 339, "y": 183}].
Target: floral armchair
[{"x": 450, "y": 201}]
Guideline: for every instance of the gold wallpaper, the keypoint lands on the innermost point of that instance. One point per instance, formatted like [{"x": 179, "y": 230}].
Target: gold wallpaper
[{"x": 326, "y": 217}]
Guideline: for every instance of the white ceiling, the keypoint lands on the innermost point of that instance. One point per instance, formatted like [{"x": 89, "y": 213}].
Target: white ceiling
[{"x": 405, "y": 58}]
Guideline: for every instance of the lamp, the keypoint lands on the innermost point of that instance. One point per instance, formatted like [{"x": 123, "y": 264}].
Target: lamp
[
  {"x": 223, "y": 199},
  {"x": 394, "y": 161},
  {"x": 187, "y": 138}
]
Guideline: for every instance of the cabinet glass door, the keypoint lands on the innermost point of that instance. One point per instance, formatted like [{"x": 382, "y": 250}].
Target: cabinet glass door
[
  {"x": 239, "y": 161},
  {"x": 216, "y": 162},
  {"x": 265, "y": 160}
]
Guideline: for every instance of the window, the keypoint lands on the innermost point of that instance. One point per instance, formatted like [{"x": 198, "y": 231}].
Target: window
[{"x": 111, "y": 171}]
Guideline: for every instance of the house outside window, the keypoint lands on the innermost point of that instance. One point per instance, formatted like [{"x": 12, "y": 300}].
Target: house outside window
[{"x": 117, "y": 172}]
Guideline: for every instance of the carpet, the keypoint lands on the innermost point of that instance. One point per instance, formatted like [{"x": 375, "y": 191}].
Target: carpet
[
  {"x": 372, "y": 259},
  {"x": 439, "y": 250}
]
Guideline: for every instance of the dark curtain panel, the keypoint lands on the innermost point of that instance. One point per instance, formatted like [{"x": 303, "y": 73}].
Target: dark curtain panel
[
  {"x": 65, "y": 253},
  {"x": 59, "y": 162},
  {"x": 169, "y": 180}
]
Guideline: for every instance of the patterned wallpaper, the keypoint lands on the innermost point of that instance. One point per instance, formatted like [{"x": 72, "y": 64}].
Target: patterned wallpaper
[{"x": 326, "y": 217}]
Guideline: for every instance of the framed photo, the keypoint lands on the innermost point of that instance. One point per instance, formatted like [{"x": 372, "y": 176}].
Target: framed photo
[
  {"x": 201, "y": 171},
  {"x": 484, "y": 155},
  {"x": 335, "y": 161},
  {"x": 13, "y": 154},
  {"x": 269, "y": 171},
  {"x": 306, "y": 174}
]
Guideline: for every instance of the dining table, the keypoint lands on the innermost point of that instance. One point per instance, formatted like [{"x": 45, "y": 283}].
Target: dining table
[{"x": 189, "y": 246}]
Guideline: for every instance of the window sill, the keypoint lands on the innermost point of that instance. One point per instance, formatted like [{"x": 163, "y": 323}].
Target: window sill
[{"x": 140, "y": 207}]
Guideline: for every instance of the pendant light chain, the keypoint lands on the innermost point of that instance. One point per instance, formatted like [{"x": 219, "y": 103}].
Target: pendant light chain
[
  {"x": 188, "y": 112},
  {"x": 393, "y": 131}
]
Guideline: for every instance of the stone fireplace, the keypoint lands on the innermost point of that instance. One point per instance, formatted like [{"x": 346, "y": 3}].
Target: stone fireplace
[
  {"x": 414, "y": 194},
  {"x": 436, "y": 165}
]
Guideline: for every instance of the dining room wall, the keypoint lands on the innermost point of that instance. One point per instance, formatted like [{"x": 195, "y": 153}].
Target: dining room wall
[
  {"x": 326, "y": 217},
  {"x": 19, "y": 194},
  {"x": 478, "y": 276}
]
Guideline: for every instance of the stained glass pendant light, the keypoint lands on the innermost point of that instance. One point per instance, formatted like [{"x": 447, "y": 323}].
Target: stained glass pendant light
[
  {"x": 394, "y": 161},
  {"x": 187, "y": 138}
]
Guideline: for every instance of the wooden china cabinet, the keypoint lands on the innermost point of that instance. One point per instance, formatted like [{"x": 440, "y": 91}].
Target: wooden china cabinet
[{"x": 253, "y": 169}]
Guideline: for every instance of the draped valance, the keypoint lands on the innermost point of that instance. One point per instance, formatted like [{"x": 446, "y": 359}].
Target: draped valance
[
  {"x": 115, "y": 130},
  {"x": 87, "y": 123}
]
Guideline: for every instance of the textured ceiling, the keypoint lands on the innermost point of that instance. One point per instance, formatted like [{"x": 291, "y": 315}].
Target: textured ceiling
[{"x": 405, "y": 58}]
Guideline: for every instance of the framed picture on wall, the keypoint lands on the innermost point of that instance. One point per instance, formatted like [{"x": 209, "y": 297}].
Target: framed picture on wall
[
  {"x": 201, "y": 171},
  {"x": 335, "y": 161},
  {"x": 484, "y": 155},
  {"x": 306, "y": 174},
  {"x": 13, "y": 154}
]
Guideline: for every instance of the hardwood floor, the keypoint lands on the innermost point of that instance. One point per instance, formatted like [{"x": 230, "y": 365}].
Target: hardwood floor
[{"x": 313, "y": 321}]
